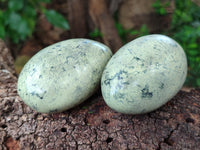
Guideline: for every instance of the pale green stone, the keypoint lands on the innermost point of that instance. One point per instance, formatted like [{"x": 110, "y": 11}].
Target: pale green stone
[
  {"x": 144, "y": 74},
  {"x": 63, "y": 75}
]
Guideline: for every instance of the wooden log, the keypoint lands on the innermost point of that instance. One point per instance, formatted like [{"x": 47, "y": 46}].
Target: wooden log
[
  {"x": 103, "y": 20},
  {"x": 135, "y": 13},
  {"x": 77, "y": 16},
  {"x": 6, "y": 59},
  {"x": 93, "y": 125},
  {"x": 114, "y": 5}
]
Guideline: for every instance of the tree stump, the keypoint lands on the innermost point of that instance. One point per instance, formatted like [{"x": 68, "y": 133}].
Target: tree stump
[
  {"x": 93, "y": 125},
  {"x": 103, "y": 20},
  {"x": 135, "y": 13}
]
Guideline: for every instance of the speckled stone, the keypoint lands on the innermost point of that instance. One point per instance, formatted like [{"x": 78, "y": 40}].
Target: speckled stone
[
  {"x": 63, "y": 75},
  {"x": 144, "y": 74}
]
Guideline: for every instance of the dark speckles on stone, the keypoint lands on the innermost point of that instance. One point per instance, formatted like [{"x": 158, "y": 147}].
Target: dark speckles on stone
[
  {"x": 107, "y": 81},
  {"x": 165, "y": 67},
  {"x": 78, "y": 46},
  {"x": 126, "y": 83},
  {"x": 95, "y": 71},
  {"x": 163, "y": 74},
  {"x": 146, "y": 93},
  {"x": 173, "y": 44},
  {"x": 103, "y": 50},
  {"x": 156, "y": 47},
  {"x": 131, "y": 67},
  {"x": 130, "y": 101},
  {"x": 53, "y": 111},
  {"x": 144, "y": 71},
  {"x": 161, "y": 85},
  {"x": 32, "y": 93},
  {"x": 63, "y": 69},
  {"x": 114, "y": 57},
  {"x": 33, "y": 71},
  {"x": 119, "y": 86},
  {"x": 120, "y": 75},
  {"x": 41, "y": 97},
  {"x": 85, "y": 42},
  {"x": 78, "y": 90},
  {"x": 40, "y": 76},
  {"x": 157, "y": 64},
  {"x": 130, "y": 51},
  {"x": 82, "y": 53},
  {"x": 38, "y": 95},
  {"x": 119, "y": 96},
  {"x": 34, "y": 106},
  {"x": 137, "y": 58},
  {"x": 67, "y": 59}
]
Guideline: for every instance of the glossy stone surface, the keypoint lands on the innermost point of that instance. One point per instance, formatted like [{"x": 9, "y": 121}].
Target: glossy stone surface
[
  {"x": 144, "y": 74},
  {"x": 63, "y": 75}
]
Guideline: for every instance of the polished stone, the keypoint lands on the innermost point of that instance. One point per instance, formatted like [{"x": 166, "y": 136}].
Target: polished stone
[
  {"x": 63, "y": 75},
  {"x": 144, "y": 74}
]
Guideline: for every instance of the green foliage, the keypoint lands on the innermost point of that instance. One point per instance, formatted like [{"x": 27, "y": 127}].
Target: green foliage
[
  {"x": 159, "y": 7},
  {"x": 56, "y": 19},
  {"x": 141, "y": 32},
  {"x": 96, "y": 33},
  {"x": 18, "y": 18},
  {"x": 124, "y": 34},
  {"x": 121, "y": 32},
  {"x": 185, "y": 29}
]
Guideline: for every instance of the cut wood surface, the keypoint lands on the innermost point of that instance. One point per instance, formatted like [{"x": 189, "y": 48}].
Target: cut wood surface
[{"x": 93, "y": 125}]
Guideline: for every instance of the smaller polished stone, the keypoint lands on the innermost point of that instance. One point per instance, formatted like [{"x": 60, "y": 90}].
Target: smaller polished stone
[{"x": 63, "y": 75}]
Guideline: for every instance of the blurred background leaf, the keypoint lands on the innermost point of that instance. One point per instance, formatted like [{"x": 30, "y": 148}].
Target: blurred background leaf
[
  {"x": 56, "y": 19},
  {"x": 18, "y": 18}
]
